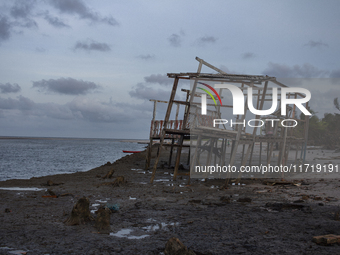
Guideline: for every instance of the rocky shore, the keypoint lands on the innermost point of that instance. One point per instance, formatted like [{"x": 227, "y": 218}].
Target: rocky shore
[{"x": 253, "y": 217}]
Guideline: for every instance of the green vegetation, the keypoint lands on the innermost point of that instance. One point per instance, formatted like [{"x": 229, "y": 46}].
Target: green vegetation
[{"x": 325, "y": 131}]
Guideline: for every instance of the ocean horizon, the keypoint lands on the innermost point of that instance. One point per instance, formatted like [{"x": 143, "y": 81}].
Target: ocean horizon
[{"x": 27, "y": 157}]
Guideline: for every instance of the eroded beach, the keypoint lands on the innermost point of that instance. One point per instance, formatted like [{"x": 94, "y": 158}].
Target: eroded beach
[{"x": 252, "y": 217}]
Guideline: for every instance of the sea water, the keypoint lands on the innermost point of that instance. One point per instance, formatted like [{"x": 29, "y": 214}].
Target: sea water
[{"x": 24, "y": 158}]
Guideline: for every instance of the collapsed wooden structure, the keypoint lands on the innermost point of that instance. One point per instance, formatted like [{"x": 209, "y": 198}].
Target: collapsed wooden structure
[{"x": 199, "y": 127}]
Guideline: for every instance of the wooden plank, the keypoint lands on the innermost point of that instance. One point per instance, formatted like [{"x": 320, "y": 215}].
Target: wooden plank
[
  {"x": 166, "y": 119},
  {"x": 185, "y": 119}
]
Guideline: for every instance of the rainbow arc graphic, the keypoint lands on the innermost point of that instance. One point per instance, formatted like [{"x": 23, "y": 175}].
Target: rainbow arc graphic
[{"x": 209, "y": 93}]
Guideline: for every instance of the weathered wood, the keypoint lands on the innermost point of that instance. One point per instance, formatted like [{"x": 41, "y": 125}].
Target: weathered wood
[
  {"x": 80, "y": 213},
  {"x": 166, "y": 119},
  {"x": 103, "y": 221},
  {"x": 109, "y": 174}
]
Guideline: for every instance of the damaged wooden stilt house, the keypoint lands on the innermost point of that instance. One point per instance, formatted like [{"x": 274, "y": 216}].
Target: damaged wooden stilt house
[{"x": 219, "y": 138}]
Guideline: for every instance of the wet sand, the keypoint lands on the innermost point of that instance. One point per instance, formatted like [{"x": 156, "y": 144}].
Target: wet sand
[{"x": 255, "y": 217}]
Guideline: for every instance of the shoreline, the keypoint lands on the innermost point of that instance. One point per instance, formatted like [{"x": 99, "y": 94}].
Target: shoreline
[{"x": 247, "y": 218}]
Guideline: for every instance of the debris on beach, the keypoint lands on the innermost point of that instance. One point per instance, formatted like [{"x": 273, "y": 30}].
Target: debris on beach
[
  {"x": 326, "y": 239},
  {"x": 51, "y": 183},
  {"x": 51, "y": 192},
  {"x": 244, "y": 200},
  {"x": 116, "y": 183},
  {"x": 112, "y": 207},
  {"x": 175, "y": 247},
  {"x": 109, "y": 174},
  {"x": 103, "y": 220},
  {"x": 80, "y": 212}
]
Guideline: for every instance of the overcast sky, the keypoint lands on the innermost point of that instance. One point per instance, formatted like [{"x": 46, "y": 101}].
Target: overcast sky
[{"x": 77, "y": 68}]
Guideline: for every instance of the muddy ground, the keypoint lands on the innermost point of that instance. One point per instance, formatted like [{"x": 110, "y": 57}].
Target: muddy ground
[{"x": 254, "y": 217}]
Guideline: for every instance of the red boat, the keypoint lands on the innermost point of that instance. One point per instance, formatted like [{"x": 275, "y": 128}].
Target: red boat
[{"x": 131, "y": 151}]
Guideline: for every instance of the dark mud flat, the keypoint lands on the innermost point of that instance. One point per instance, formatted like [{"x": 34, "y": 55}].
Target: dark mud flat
[{"x": 250, "y": 218}]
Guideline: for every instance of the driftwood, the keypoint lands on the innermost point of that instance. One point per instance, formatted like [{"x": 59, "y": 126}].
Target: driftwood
[
  {"x": 116, "y": 183},
  {"x": 109, "y": 174},
  {"x": 80, "y": 213},
  {"x": 175, "y": 247},
  {"x": 51, "y": 183},
  {"x": 103, "y": 220}
]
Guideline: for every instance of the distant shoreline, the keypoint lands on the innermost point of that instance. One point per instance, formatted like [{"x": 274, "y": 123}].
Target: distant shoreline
[{"x": 70, "y": 138}]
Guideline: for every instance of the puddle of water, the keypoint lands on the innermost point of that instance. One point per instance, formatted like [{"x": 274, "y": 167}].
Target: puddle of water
[
  {"x": 126, "y": 233},
  {"x": 94, "y": 205},
  {"x": 21, "y": 189}
]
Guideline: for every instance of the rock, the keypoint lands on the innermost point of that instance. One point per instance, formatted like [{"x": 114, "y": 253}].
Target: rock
[
  {"x": 103, "y": 220},
  {"x": 138, "y": 205},
  {"x": 50, "y": 183},
  {"x": 225, "y": 199},
  {"x": 175, "y": 247}
]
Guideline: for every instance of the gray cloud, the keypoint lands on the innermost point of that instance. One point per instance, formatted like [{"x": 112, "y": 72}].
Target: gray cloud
[
  {"x": 161, "y": 79},
  {"x": 68, "y": 86},
  {"x": 141, "y": 91},
  {"x": 92, "y": 111},
  {"x": 297, "y": 71},
  {"x": 89, "y": 46},
  {"x": 202, "y": 41},
  {"x": 22, "y": 9},
  {"x": 175, "y": 40},
  {"x": 78, "y": 7},
  {"x": 54, "y": 21},
  {"x": 146, "y": 57},
  {"x": 248, "y": 55},
  {"x": 5, "y": 28},
  {"x": 80, "y": 108},
  {"x": 314, "y": 44},
  {"x": 21, "y": 103},
  {"x": 335, "y": 74},
  {"x": 9, "y": 88},
  {"x": 22, "y": 12}
]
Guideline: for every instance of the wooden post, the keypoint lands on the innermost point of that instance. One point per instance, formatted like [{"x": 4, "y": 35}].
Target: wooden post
[
  {"x": 185, "y": 119},
  {"x": 166, "y": 119},
  {"x": 149, "y": 150},
  {"x": 255, "y": 128}
]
